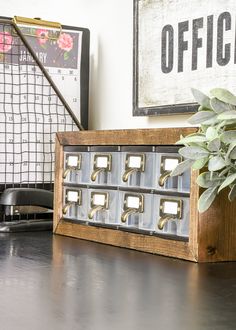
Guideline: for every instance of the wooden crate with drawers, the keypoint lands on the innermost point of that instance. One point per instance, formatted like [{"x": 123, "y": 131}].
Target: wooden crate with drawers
[{"x": 114, "y": 187}]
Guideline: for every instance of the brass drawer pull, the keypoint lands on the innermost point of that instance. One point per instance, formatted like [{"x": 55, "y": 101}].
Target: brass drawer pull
[
  {"x": 133, "y": 203},
  {"x": 96, "y": 172},
  {"x": 163, "y": 178},
  {"x": 73, "y": 197},
  {"x": 94, "y": 210},
  {"x": 66, "y": 207},
  {"x": 67, "y": 170},
  {"x": 101, "y": 163},
  {"x": 127, "y": 213},
  {"x": 73, "y": 163},
  {"x": 133, "y": 163},
  {"x": 99, "y": 202},
  {"x": 170, "y": 209},
  {"x": 127, "y": 173},
  {"x": 167, "y": 165},
  {"x": 163, "y": 220}
]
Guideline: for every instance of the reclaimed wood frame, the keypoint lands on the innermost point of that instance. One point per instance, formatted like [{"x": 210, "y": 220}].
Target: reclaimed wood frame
[{"x": 212, "y": 235}]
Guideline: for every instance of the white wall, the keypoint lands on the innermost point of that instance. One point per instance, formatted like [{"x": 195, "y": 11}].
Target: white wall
[{"x": 111, "y": 26}]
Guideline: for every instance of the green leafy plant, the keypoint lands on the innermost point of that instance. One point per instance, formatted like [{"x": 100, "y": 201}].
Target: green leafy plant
[{"x": 213, "y": 148}]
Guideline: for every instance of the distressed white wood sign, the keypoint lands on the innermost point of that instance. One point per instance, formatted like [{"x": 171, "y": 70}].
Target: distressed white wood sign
[{"x": 179, "y": 44}]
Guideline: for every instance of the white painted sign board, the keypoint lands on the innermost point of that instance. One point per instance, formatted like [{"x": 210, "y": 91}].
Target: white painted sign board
[{"x": 179, "y": 45}]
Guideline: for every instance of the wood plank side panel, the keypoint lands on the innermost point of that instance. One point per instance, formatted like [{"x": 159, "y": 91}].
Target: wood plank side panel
[
  {"x": 217, "y": 231},
  {"x": 194, "y": 222},
  {"x": 58, "y": 184},
  {"x": 129, "y": 240},
  {"x": 163, "y": 136}
]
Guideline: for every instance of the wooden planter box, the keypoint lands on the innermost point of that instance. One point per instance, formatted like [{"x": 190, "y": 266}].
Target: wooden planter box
[{"x": 212, "y": 235}]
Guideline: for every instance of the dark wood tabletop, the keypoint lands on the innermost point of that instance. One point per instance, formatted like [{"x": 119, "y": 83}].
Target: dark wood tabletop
[{"x": 54, "y": 282}]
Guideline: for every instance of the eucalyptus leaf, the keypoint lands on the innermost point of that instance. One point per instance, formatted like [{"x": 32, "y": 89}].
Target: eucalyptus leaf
[
  {"x": 231, "y": 153},
  {"x": 206, "y": 199},
  {"x": 182, "y": 167},
  {"x": 212, "y": 121},
  {"x": 201, "y": 117},
  {"x": 225, "y": 171},
  {"x": 192, "y": 138},
  {"x": 230, "y": 179},
  {"x": 202, "y": 108},
  {"x": 216, "y": 163},
  {"x": 208, "y": 179},
  {"x": 223, "y": 95},
  {"x": 228, "y": 115},
  {"x": 228, "y": 162},
  {"x": 232, "y": 107},
  {"x": 232, "y": 193},
  {"x": 203, "y": 128},
  {"x": 201, "y": 98},
  {"x": 198, "y": 144},
  {"x": 193, "y": 152},
  {"x": 200, "y": 163},
  {"x": 228, "y": 137},
  {"x": 221, "y": 125},
  {"x": 211, "y": 133},
  {"x": 230, "y": 124},
  {"x": 219, "y": 106},
  {"x": 214, "y": 145}
]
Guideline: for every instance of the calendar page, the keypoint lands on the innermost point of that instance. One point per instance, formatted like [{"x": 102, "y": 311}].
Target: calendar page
[
  {"x": 60, "y": 54},
  {"x": 31, "y": 111}
]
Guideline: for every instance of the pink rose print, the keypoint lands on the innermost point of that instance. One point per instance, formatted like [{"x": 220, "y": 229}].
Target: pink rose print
[
  {"x": 42, "y": 36},
  {"x": 5, "y": 42},
  {"x": 65, "y": 42}
]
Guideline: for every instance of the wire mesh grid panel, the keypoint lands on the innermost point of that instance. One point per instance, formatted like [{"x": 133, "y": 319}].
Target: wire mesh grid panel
[{"x": 31, "y": 112}]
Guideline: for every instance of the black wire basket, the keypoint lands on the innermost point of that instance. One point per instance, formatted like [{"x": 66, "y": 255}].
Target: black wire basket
[{"x": 32, "y": 110}]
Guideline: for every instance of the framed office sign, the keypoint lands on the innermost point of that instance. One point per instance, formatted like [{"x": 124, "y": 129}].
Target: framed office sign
[{"x": 179, "y": 45}]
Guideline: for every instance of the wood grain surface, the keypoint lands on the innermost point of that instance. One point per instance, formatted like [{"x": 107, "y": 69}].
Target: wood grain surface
[{"x": 155, "y": 136}]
